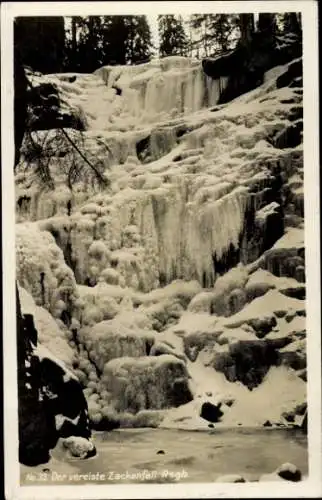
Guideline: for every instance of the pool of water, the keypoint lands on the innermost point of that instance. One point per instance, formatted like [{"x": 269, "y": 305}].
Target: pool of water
[{"x": 161, "y": 455}]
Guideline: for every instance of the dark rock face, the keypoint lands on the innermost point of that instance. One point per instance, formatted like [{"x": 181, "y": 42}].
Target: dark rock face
[
  {"x": 287, "y": 262},
  {"x": 46, "y": 391},
  {"x": 143, "y": 149},
  {"x": 294, "y": 359},
  {"x": 179, "y": 393},
  {"x": 264, "y": 218},
  {"x": 294, "y": 70},
  {"x": 228, "y": 260},
  {"x": 158, "y": 143},
  {"x": 37, "y": 432},
  {"x": 211, "y": 412},
  {"x": 290, "y": 137},
  {"x": 245, "y": 66},
  {"x": 263, "y": 326},
  {"x": 247, "y": 361}
]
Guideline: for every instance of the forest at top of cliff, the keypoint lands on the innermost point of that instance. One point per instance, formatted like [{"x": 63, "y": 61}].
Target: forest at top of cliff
[{"x": 83, "y": 44}]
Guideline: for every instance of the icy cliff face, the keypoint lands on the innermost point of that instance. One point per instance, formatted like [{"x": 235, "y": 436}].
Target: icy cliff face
[{"x": 195, "y": 189}]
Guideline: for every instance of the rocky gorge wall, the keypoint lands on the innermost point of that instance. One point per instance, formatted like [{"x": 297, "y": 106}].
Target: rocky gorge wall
[{"x": 181, "y": 282}]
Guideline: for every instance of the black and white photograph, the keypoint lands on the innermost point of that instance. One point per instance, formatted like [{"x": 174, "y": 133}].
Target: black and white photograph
[{"x": 160, "y": 188}]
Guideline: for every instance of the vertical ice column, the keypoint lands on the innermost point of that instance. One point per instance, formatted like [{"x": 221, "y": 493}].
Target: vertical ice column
[{"x": 211, "y": 229}]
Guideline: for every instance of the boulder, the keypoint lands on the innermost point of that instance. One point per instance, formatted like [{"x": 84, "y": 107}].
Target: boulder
[
  {"x": 286, "y": 257},
  {"x": 79, "y": 447},
  {"x": 289, "y": 472},
  {"x": 114, "y": 339},
  {"x": 286, "y": 472},
  {"x": 211, "y": 412},
  {"x": 236, "y": 300},
  {"x": 301, "y": 408},
  {"x": 146, "y": 382}
]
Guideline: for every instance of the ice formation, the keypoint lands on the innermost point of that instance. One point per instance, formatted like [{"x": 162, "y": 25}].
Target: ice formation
[
  {"x": 195, "y": 245},
  {"x": 169, "y": 86}
]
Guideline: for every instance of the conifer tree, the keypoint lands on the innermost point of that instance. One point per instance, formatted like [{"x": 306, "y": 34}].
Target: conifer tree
[
  {"x": 100, "y": 40},
  {"x": 173, "y": 39},
  {"x": 213, "y": 33},
  {"x": 41, "y": 42},
  {"x": 90, "y": 46},
  {"x": 292, "y": 23},
  {"x": 138, "y": 47}
]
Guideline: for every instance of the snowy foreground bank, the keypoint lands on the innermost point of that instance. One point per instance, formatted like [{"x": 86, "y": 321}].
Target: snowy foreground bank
[{"x": 176, "y": 294}]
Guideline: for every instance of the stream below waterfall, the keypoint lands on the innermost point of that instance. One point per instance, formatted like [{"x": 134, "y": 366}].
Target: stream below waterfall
[{"x": 163, "y": 455}]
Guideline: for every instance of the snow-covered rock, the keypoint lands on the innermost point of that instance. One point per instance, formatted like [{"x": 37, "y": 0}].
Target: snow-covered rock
[
  {"x": 50, "y": 335},
  {"x": 51, "y": 400},
  {"x": 79, "y": 447},
  {"x": 42, "y": 270},
  {"x": 154, "y": 382},
  {"x": 114, "y": 339},
  {"x": 286, "y": 472}
]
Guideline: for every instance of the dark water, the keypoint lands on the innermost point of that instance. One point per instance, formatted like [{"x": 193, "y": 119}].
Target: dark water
[{"x": 160, "y": 455}]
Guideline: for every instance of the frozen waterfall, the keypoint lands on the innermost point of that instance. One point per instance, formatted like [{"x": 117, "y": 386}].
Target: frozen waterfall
[{"x": 163, "y": 88}]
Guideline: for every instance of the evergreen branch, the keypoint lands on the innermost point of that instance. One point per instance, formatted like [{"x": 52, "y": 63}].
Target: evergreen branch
[{"x": 97, "y": 173}]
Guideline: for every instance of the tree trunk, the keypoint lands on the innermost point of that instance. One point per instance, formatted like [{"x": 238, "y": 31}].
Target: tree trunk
[
  {"x": 246, "y": 23},
  {"x": 267, "y": 26},
  {"x": 74, "y": 42}
]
